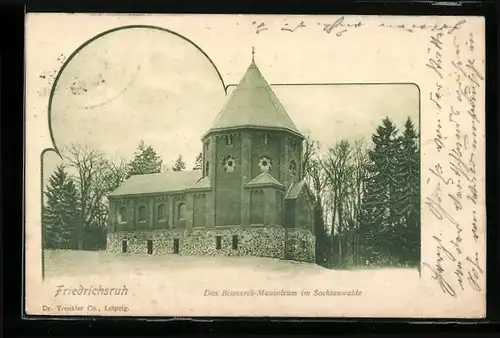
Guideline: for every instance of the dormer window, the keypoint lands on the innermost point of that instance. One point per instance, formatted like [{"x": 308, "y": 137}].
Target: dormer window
[
  {"x": 266, "y": 138},
  {"x": 229, "y": 140}
]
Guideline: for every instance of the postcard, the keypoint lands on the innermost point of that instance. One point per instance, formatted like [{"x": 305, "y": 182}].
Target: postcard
[{"x": 255, "y": 165}]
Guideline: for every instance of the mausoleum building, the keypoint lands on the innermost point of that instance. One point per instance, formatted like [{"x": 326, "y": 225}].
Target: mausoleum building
[{"x": 249, "y": 199}]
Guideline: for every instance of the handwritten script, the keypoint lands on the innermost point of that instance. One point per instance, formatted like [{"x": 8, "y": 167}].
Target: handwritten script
[
  {"x": 339, "y": 26},
  {"x": 456, "y": 174},
  {"x": 336, "y": 26}
]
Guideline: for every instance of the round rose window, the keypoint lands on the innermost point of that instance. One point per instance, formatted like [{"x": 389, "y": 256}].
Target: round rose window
[
  {"x": 265, "y": 163},
  {"x": 229, "y": 163}
]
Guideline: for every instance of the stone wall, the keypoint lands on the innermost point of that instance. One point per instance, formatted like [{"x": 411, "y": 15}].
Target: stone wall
[
  {"x": 163, "y": 241},
  {"x": 300, "y": 245},
  {"x": 262, "y": 242}
]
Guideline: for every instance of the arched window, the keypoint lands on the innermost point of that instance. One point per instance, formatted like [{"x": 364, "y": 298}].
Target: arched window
[
  {"x": 207, "y": 168},
  {"x": 161, "y": 212},
  {"x": 122, "y": 214},
  {"x": 293, "y": 167},
  {"x": 266, "y": 138},
  {"x": 229, "y": 139},
  {"x": 293, "y": 143},
  {"x": 181, "y": 211},
  {"x": 141, "y": 217}
]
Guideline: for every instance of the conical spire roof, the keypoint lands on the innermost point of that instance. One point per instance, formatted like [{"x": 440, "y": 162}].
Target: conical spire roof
[{"x": 253, "y": 104}]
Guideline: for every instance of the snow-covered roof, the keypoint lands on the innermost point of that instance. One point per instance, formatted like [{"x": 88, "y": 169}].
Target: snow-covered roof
[
  {"x": 171, "y": 181},
  {"x": 203, "y": 183},
  {"x": 265, "y": 178},
  {"x": 295, "y": 189}
]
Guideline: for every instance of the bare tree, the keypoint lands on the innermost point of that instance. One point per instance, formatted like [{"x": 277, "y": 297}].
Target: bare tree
[
  {"x": 360, "y": 173},
  {"x": 95, "y": 177},
  {"x": 315, "y": 177},
  {"x": 338, "y": 171},
  {"x": 336, "y": 181},
  {"x": 313, "y": 170},
  {"x": 116, "y": 175},
  {"x": 309, "y": 155},
  {"x": 113, "y": 177}
]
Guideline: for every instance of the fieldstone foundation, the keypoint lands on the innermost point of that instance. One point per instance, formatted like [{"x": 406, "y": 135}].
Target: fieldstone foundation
[
  {"x": 273, "y": 242},
  {"x": 300, "y": 245}
]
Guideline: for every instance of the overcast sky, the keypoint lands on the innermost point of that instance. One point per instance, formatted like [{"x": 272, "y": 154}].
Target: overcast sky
[{"x": 149, "y": 85}]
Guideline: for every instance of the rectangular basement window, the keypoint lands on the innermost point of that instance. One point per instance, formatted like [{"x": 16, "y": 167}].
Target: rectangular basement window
[
  {"x": 150, "y": 247},
  {"x": 218, "y": 242},
  {"x": 176, "y": 245},
  {"x": 235, "y": 242},
  {"x": 124, "y": 246}
]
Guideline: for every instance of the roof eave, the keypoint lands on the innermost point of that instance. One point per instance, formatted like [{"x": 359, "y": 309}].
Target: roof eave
[
  {"x": 167, "y": 192},
  {"x": 265, "y": 185},
  {"x": 198, "y": 189},
  {"x": 143, "y": 194},
  {"x": 223, "y": 129}
]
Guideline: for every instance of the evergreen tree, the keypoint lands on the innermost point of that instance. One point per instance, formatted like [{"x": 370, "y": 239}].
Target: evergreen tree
[
  {"x": 146, "y": 161},
  {"x": 179, "y": 164},
  {"x": 378, "y": 218},
  {"x": 408, "y": 206},
  {"x": 198, "y": 163},
  {"x": 60, "y": 213}
]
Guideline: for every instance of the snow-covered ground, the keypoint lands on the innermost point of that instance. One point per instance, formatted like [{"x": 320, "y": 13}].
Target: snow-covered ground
[
  {"x": 61, "y": 263},
  {"x": 173, "y": 285}
]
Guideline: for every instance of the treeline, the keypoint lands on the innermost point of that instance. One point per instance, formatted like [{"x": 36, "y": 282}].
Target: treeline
[
  {"x": 75, "y": 206},
  {"x": 367, "y": 198}
]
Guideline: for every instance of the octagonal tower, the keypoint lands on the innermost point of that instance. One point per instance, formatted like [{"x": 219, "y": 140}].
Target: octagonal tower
[{"x": 252, "y": 155}]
